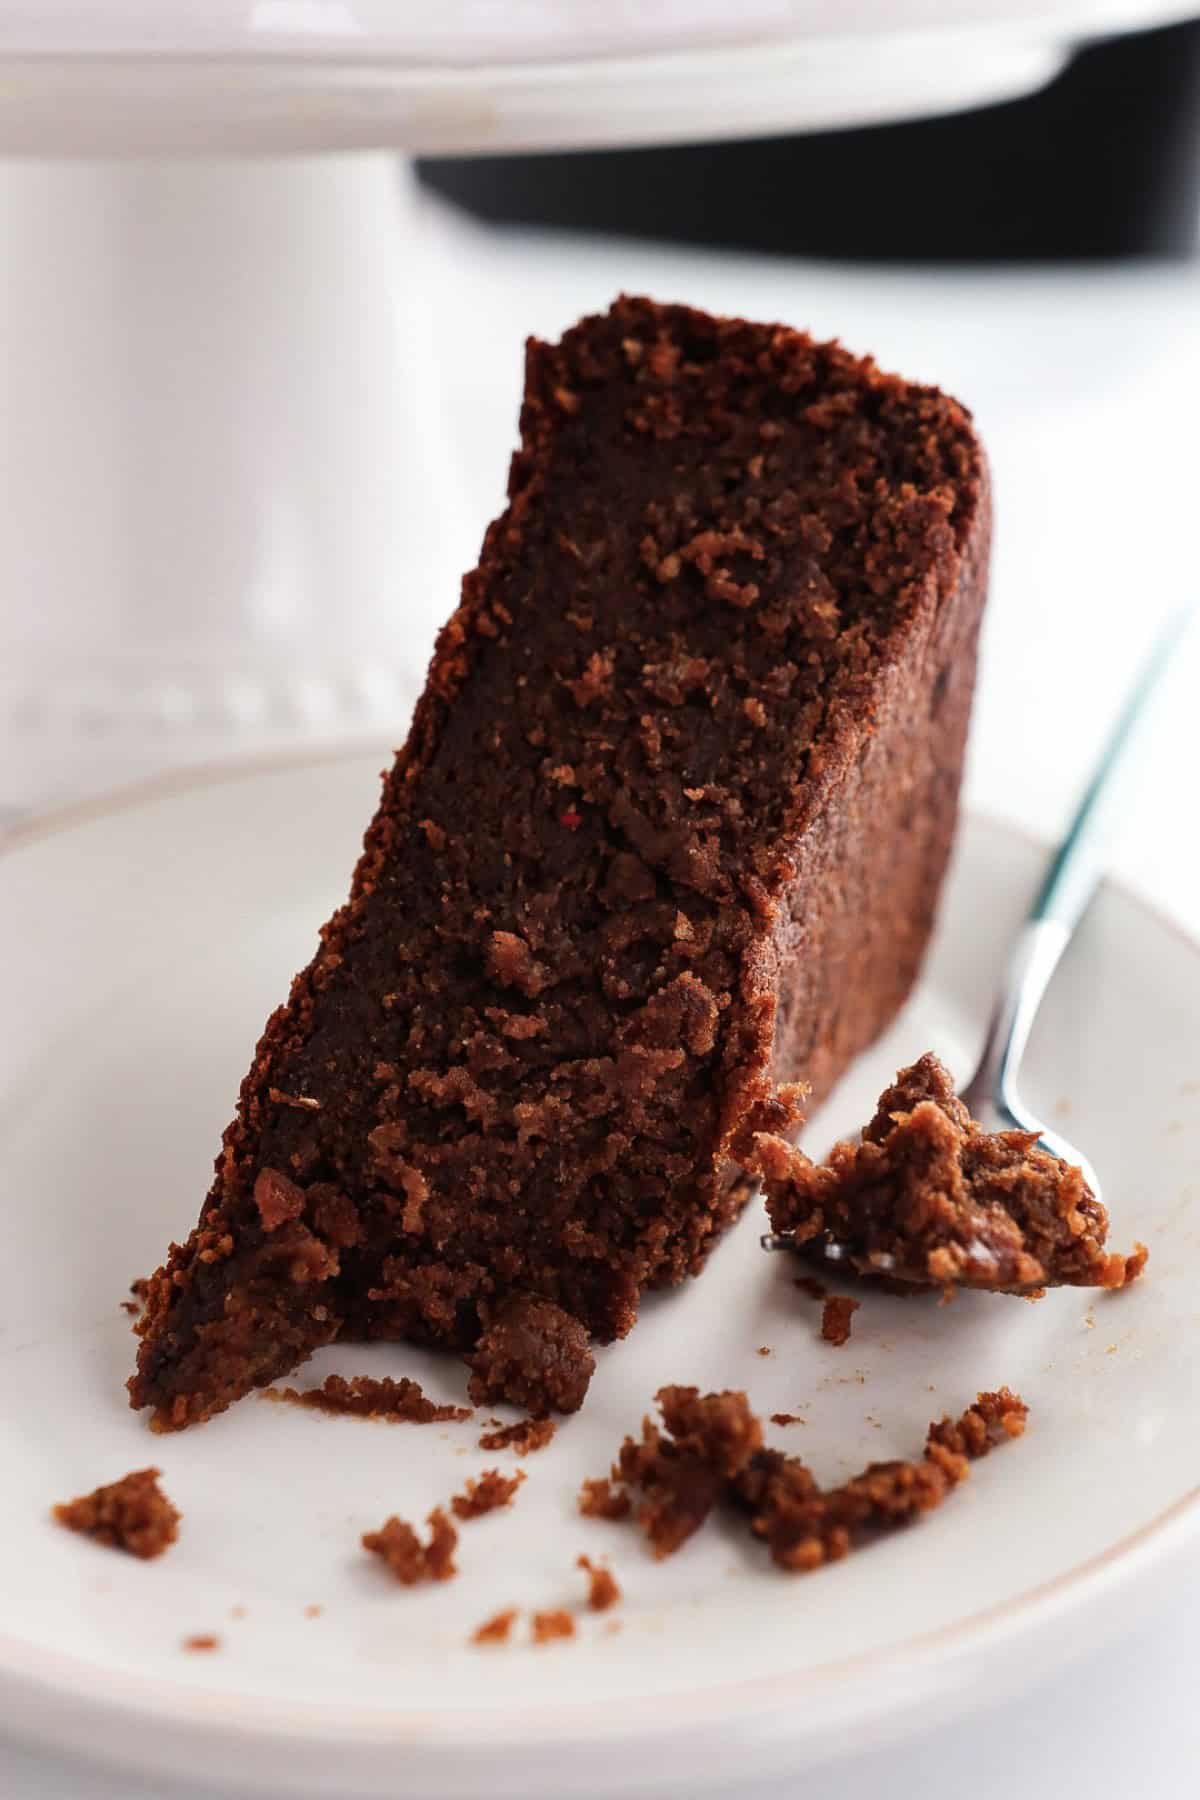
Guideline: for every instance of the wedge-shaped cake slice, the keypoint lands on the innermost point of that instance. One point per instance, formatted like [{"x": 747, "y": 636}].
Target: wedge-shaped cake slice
[{"x": 668, "y": 829}]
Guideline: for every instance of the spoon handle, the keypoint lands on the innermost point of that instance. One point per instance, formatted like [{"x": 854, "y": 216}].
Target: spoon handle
[
  {"x": 1080, "y": 861},
  {"x": 1071, "y": 880}
]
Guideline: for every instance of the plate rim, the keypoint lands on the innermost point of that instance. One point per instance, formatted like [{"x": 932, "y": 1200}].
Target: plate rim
[
  {"x": 269, "y": 1718},
  {"x": 32, "y": 1676}
]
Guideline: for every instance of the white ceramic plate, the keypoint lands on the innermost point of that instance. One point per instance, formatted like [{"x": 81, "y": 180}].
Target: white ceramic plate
[{"x": 143, "y": 946}]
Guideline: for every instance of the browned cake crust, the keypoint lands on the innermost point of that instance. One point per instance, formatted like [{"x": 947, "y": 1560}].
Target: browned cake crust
[
  {"x": 669, "y": 827},
  {"x": 929, "y": 1197}
]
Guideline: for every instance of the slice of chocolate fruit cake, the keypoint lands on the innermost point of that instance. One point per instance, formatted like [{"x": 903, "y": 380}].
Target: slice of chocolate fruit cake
[{"x": 668, "y": 830}]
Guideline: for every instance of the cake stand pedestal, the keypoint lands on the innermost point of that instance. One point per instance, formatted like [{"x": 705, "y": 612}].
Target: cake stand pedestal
[{"x": 228, "y": 511}]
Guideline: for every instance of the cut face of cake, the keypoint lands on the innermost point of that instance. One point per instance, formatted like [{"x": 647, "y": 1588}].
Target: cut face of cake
[
  {"x": 668, "y": 830},
  {"x": 929, "y": 1197}
]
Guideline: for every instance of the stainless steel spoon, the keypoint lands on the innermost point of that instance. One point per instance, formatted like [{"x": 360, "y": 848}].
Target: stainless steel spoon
[{"x": 1076, "y": 870}]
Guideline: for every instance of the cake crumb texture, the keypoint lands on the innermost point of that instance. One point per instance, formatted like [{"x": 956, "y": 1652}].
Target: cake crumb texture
[
  {"x": 526, "y": 1436},
  {"x": 547, "y": 1627},
  {"x": 531, "y": 1354},
  {"x": 680, "y": 1470},
  {"x": 928, "y": 1197},
  {"x": 836, "y": 1315},
  {"x": 805, "y": 1525},
  {"x": 497, "y": 1629},
  {"x": 603, "y": 1588},
  {"x": 712, "y": 1452},
  {"x": 492, "y": 1491},
  {"x": 130, "y": 1514},
  {"x": 408, "y": 1559},
  {"x": 602, "y": 1498},
  {"x": 366, "y": 1397}
]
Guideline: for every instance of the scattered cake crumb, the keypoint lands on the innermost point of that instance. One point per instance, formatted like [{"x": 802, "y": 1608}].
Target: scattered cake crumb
[
  {"x": 409, "y": 1560},
  {"x": 366, "y": 1397},
  {"x": 491, "y": 1491},
  {"x": 526, "y": 1436},
  {"x": 497, "y": 1629},
  {"x": 130, "y": 1514},
  {"x": 681, "y": 1473},
  {"x": 764, "y": 1349},
  {"x": 927, "y": 1197},
  {"x": 838, "y": 1311},
  {"x": 313, "y": 1611},
  {"x": 787, "y": 1419},
  {"x": 806, "y": 1526},
  {"x": 603, "y": 1589},
  {"x": 237, "y": 1612},
  {"x": 202, "y": 1640},
  {"x": 704, "y": 1459},
  {"x": 545, "y": 1627},
  {"x": 1134, "y": 1265},
  {"x": 532, "y": 1354},
  {"x": 600, "y": 1498}
]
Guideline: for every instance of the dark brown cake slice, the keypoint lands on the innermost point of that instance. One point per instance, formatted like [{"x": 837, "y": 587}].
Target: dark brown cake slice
[
  {"x": 669, "y": 828},
  {"x": 928, "y": 1196}
]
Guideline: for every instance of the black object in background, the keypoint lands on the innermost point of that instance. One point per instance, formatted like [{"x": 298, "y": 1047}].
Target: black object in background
[{"x": 1103, "y": 162}]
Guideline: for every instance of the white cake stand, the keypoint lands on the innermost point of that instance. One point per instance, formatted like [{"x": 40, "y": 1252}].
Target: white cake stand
[{"x": 229, "y": 511}]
